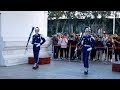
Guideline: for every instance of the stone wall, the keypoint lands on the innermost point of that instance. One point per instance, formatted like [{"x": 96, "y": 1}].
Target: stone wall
[{"x": 14, "y": 53}]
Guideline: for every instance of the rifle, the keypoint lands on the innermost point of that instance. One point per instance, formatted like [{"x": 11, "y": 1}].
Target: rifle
[{"x": 29, "y": 39}]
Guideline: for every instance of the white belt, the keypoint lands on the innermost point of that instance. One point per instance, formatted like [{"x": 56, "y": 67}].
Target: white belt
[
  {"x": 87, "y": 45},
  {"x": 36, "y": 43}
]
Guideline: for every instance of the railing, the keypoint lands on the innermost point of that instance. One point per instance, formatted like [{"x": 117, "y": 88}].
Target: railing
[{"x": 79, "y": 47}]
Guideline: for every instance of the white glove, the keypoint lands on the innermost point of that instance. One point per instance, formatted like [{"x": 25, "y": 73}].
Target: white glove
[
  {"x": 82, "y": 42},
  {"x": 38, "y": 45},
  {"x": 75, "y": 49},
  {"x": 89, "y": 49}
]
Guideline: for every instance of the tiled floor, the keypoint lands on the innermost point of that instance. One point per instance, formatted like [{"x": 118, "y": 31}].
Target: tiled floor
[{"x": 59, "y": 70}]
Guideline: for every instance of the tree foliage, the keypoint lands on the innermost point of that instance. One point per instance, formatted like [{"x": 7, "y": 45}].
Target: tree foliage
[{"x": 73, "y": 16}]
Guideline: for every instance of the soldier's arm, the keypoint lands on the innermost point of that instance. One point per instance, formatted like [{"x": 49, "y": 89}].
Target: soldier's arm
[
  {"x": 32, "y": 40},
  {"x": 43, "y": 41},
  {"x": 82, "y": 41}
]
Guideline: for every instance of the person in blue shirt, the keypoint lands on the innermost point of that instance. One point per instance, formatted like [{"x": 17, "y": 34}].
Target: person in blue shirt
[
  {"x": 36, "y": 41},
  {"x": 87, "y": 43}
]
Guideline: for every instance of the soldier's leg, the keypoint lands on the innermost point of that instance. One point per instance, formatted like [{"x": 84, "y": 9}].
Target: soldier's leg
[
  {"x": 34, "y": 54},
  {"x": 86, "y": 64},
  {"x": 36, "y": 59},
  {"x": 86, "y": 60},
  {"x": 84, "y": 55}
]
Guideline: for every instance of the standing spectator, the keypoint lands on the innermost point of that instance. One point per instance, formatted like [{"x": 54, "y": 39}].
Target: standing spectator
[
  {"x": 78, "y": 48},
  {"x": 93, "y": 51},
  {"x": 73, "y": 47},
  {"x": 104, "y": 39},
  {"x": 109, "y": 45},
  {"x": 59, "y": 47},
  {"x": 55, "y": 47},
  {"x": 63, "y": 43},
  {"x": 117, "y": 47},
  {"x": 99, "y": 50},
  {"x": 68, "y": 46}
]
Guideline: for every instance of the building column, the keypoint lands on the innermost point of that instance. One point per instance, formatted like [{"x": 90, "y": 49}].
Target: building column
[{"x": 1, "y": 45}]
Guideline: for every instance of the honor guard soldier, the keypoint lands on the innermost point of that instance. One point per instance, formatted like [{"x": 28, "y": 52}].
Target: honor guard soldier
[
  {"x": 36, "y": 41},
  {"x": 87, "y": 42}
]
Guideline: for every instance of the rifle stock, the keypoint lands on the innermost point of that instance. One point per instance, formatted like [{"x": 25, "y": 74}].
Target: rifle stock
[{"x": 29, "y": 39}]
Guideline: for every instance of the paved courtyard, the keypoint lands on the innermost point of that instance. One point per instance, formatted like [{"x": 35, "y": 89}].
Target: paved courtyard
[{"x": 59, "y": 70}]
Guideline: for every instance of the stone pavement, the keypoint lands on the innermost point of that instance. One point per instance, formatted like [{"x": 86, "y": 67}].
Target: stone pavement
[{"x": 59, "y": 70}]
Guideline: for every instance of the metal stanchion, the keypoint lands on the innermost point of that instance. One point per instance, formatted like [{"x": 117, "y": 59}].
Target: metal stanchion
[
  {"x": 81, "y": 55},
  {"x": 107, "y": 54},
  {"x": 112, "y": 54},
  {"x": 69, "y": 52},
  {"x": 75, "y": 54},
  {"x": 53, "y": 51},
  {"x": 89, "y": 56},
  {"x": 76, "y": 51}
]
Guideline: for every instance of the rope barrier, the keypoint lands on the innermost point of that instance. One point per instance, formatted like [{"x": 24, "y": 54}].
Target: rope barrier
[
  {"x": 97, "y": 47},
  {"x": 79, "y": 47}
]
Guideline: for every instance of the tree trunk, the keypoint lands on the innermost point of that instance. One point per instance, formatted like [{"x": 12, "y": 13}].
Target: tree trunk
[
  {"x": 71, "y": 28},
  {"x": 103, "y": 26},
  {"x": 57, "y": 26},
  {"x": 64, "y": 25},
  {"x": 117, "y": 19},
  {"x": 95, "y": 26},
  {"x": 89, "y": 23},
  {"x": 51, "y": 28}
]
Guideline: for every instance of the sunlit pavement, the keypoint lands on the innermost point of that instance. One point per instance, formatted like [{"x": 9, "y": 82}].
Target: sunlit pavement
[{"x": 59, "y": 70}]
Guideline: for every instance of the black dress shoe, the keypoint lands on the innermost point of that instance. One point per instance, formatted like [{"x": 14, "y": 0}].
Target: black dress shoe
[
  {"x": 33, "y": 67},
  {"x": 36, "y": 67},
  {"x": 85, "y": 72}
]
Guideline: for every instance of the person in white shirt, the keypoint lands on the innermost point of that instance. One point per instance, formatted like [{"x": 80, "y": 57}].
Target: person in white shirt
[
  {"x": 104, "y": 39},
  {"x": 63, "y": 43}
]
